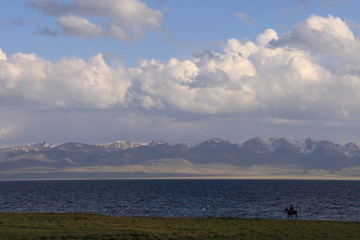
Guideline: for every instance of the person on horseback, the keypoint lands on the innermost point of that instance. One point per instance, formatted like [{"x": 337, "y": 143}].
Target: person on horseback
[
  {"x": 291, "y": 211},
  {"x": 291, "y": 208}
]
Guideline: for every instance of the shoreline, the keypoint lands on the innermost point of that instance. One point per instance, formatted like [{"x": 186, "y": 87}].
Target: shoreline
[{"x": 167, "y": 217}]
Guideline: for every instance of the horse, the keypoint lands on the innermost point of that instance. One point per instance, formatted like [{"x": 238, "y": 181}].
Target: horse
[{"x": 291, "y": 213}]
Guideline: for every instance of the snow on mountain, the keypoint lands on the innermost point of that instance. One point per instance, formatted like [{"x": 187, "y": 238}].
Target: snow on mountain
[
  {"x": 120, "y": 145},
  {"x": 260, "y": 145},
  {"x": 307, "y": 147},
  {"x": 273, "y": 157},
  {"x": 33, "y": 147},
  {"x": 124, "y": 145},
  {"x": 352, "y": 149},
  {"x": 270, "y": 145}
]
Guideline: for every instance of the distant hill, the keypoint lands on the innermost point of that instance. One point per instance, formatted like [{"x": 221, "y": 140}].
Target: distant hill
[{"x": 214, "y": 158}]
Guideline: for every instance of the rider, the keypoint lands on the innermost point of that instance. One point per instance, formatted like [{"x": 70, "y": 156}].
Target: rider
[{"x": 291, "y": 208}]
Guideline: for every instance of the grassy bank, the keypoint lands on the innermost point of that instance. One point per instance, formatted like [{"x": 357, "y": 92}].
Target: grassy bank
[{"x": 83, "y": 226}]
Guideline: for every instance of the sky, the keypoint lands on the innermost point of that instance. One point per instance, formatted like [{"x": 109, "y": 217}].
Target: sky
[{"x": 178, "y": 71}]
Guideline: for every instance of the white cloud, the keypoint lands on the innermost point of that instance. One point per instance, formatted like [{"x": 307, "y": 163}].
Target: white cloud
[
  {"x": 245, "y": 80},
  {"x": 328, "y": 35},
  {"x": 69, "y": 83},
  {"x": 131, "y": 14},
  {"x": 123, "y": 19},
  {"x": 2, "y": 55},
  {"x": 251, "y": 78},
  {"x": 22, "y": 77},
  {"x": 79, "y": 27}
]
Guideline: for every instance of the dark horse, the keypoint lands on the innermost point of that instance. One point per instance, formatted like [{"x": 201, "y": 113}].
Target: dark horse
[{"x": 291, "y": 213}]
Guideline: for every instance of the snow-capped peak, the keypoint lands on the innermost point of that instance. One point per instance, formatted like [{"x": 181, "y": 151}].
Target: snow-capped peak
[
  {"x": 120, "y": 145},
  {"x": 33, "y": 147},
  {"x": 273, "y": 144}
]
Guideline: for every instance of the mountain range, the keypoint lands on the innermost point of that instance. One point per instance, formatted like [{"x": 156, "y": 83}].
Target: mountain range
[{"x": 269, "y": 158}]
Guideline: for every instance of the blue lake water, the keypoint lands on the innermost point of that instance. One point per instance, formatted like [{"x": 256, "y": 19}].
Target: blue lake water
[{"x": 315, "y": 200}]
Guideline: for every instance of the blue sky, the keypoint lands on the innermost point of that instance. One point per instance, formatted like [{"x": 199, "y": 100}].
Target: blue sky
[
  {"x": 186, "y": 26},
  {"x": 178, "y": 71}
]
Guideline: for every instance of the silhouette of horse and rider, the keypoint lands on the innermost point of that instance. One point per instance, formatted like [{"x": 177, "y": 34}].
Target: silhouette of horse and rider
[{"x": 291, "y": 211}]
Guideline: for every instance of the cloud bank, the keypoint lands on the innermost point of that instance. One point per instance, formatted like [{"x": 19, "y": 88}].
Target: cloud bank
[{"x": 311, "y": 73}]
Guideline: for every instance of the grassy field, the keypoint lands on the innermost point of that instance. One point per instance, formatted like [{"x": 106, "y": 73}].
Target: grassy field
[{"x": 85, "y": 226}]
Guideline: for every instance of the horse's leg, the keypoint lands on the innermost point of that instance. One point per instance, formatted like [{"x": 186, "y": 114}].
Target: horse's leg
[{"x": 295, "y": 216}]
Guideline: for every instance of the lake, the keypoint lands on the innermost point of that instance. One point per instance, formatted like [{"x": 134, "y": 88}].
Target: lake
[{"x": 314, "y": 199}]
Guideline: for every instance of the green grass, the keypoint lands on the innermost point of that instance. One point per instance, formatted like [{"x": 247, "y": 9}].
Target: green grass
[{"x": 87, "y": 226}]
